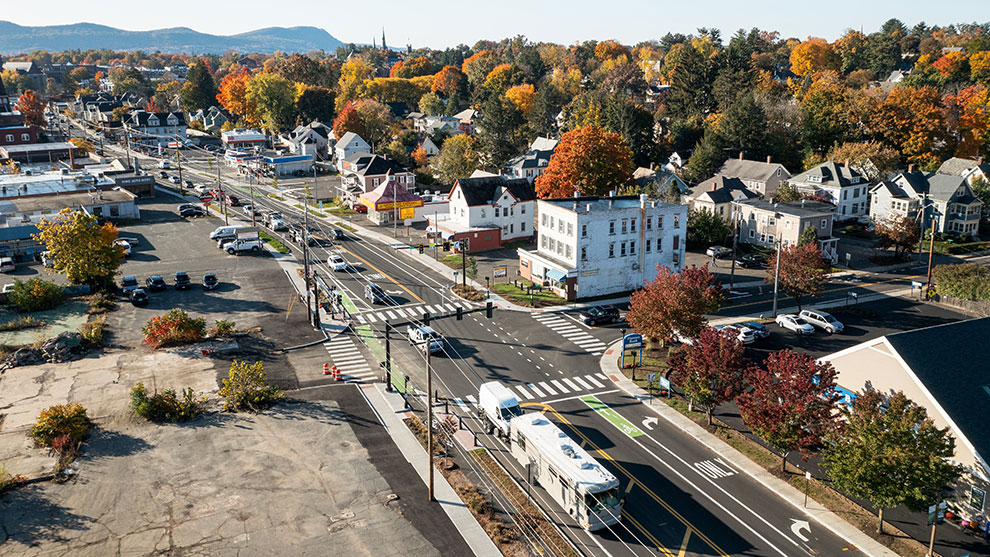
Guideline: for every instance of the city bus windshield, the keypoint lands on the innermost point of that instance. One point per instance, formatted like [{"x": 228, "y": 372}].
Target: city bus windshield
[{"x": 597, "y": 502}]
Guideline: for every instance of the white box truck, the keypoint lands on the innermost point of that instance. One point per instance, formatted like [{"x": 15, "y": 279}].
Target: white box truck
[{"x": 496, "y": 406}]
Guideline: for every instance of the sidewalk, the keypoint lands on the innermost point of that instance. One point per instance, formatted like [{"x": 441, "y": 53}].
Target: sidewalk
[
  {"x": 782, "y": 489},
  {"x": 390, "y": 409}
]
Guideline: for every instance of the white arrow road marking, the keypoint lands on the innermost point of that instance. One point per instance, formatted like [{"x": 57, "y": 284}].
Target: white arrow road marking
[
  {"x": 648, "y": 423},
  {"x": 799, "y": 525}
]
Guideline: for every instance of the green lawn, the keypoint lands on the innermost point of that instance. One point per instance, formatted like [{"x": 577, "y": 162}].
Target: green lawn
[
  {"x": 275, "y": 244},
  {"x": 518, "y": 295},
  {"x": 276, "y": 197},
  {"x": 346, "y": 227},
  {"x": 454, "y": 262}
]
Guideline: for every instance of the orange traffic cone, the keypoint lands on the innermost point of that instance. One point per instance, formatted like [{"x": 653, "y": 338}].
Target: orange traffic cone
[
  {"x": 326, "y": 369},
  {"x": 336, "y": 373}
]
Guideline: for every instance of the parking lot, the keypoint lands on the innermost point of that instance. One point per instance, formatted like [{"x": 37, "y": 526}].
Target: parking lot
[{"x": 253, "y": 291}]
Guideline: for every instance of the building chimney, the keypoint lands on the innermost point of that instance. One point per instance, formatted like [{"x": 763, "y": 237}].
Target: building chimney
[
  {"x": 652, "y": 165},
  {"x": 769, "y": 158},
  {"x": 846, "y": 164},
  {"x": 642, "y": 200},
  {"x": 714, "y": 185},
  {"x": 910, "y": 168},
  {"x": 740, "y": 155},
  {"x": 611, "y": 193}
]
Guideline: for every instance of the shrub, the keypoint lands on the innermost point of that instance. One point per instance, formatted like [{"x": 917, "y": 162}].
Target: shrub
[
  {"x": 62, "y": 422},
  {"x": 7, "y": 479},
  {"x": 966, "y": 281},
  {"x": 166, "y": 406},
  {"x": 92, "y": 331},
  {"x": 101, "y": 303},
  {"x": 246, "y": 388},
  {"x": 35, "y": 295},
  {"x": 172, "y": 329},
  {"x": 222, "y": 328},
  {"x": 25, "y": 322}
]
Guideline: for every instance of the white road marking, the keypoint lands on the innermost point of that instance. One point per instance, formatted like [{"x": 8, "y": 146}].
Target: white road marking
[
  {"x": 523, "y": 392},
  {"x": 594, "y": 381},
  {"x": 559, "y": 386},
  {"x": 570, "y": 384},
  {"x": 550, "y": 390},
  {"x": 533, "y": 388},
  {"x": 581, "y": 382},
  {"x": 389, "y": 314}
]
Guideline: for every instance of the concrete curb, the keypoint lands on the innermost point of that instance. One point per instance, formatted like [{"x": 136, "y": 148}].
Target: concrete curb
[
  {"x": 782, "y": 489},
  {"x": 464, "y": 522}
]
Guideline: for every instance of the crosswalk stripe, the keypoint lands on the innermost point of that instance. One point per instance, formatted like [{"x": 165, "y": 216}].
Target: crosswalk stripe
[
  {"x": 350, "y": 360},
  {"x": 601, "y": 376},
  {"x": 533, "y": 388},
  {"x": 590, "y": 345},
  {"x": 543, "y": 385},
  {"x": 372, "y": 317},
  {"x": 463, "y": 406},
  {"x": 568, "y": 328},
  {"x": 390, "y": 314},
  {"x": 450, "y": 307},
  {"x": 472, "y": 400},
  {"x": 581, "y": 382},
  {"x": 557, "y": 384},
  {"x": 337, "y": 341},
  {"x": 361, "y": 319},
  {"x": 554, "y": 323},
  {"x": 568, "y": 382},
  {"x": 596, "y": 353},
  {"x": 525, "y": 394},
  {"x": 594, "y": 381}
]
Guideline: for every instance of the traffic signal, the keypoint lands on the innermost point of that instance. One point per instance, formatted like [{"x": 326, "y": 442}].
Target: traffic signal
[
  {"x": 446, "y": 246},
  {"x": 460, "y": 313},
  {"x": 420, "y": 247},
  {"x": 426, "y": 319},
  {"x": 488, "y": 309}
]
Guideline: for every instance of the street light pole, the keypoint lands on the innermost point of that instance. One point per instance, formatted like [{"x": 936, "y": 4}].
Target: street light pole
[
  {"x": 305, "y": 250},
  {"x": 776, "y": 279},
  {"x": 735, "y": 237},
  {"x": 429, "y": 416},
  {"x": 931, "y": 251}
]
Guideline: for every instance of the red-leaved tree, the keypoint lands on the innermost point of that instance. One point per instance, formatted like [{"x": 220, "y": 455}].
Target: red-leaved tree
[
  {"x": 348, "y": 121},
  {"x": 588, "y": 160},
  {"x": 675, "y": 302},
  {"x": 791, "y": 403},
  {"x": 32, "y": 106},
  {"x": 711, "y": 370},
  {"x": 803, "y": 271}
]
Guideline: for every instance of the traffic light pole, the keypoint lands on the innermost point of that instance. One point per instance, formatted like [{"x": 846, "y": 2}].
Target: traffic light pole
[
  {"x": 388, "y": 357},
  {"x": 429, "y": 417},
  {"x": 463, "y": 265}
]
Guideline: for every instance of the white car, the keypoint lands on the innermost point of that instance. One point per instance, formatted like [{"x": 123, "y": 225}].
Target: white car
[
  {"x": 743, "y": 333},
  {"x": 124, "y": 244},
  {"x": 279, "y": 225},
  {"x": 718, "y": 252},
  {"x": 822, "y": 320},
  {"x": 794, "y": 323},
  {"x": 337, "y": 263}
]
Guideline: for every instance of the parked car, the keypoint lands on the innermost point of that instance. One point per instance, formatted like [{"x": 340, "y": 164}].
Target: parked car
[
  {"x": 210, "y": 281},
  {"x": 337, "y": 233},
  {"x": 194, "y": 211},
  {"x": 125, "y": 245},
  {"x": 163, "y": 175},
  {"x": 822, "y": 320},
  {"x": 138, "y": 297},
  {"x": 186, "y": 206},
  {"x": 337, "y": 263},
  {"x": 361, "y": 209},
  {"x": 718, "y": 252},
  {"x": 759, "y": 329},
  {"x": 182, "y": 281},
  {"x": 743, "y": 333},
  {"x": 795, "y": 324},
  {"x": 155, "y": 283},
  {"x": 128, "y": 283},
  {"x": 601, "y": 314},
  {"x": 205, "y": 197},
  {"x": 202, "y": 188},
  {"x": 278, "y": 225},
  {"x": 46, "y": 259},
  {"x": 190, "y": 184},
  {"x": 752, "y": 261},
  {"x": 374, "y": 293},
  {"x": 7, "y": 265},
  {"x": 232, "y": 200}
]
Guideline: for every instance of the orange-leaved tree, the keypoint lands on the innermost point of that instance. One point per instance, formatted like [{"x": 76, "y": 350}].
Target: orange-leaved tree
[
  {"x": 31, "y": 105},
  {"x": 233, "y": 97},
  {"x": 589, "y": 161},
  {"x": 449, "y": 80},
  {"x": 912, "y": 119},
  {"x": 522, "y": 96},
  {"x": 814, "y": 55}
]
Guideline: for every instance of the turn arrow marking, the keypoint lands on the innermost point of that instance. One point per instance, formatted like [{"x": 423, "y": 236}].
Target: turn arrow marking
[
  {"x": 650, "y": 420},
  {"x": 799, "y": 525}
]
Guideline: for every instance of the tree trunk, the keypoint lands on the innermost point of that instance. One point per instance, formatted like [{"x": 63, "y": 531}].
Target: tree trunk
[
  {"x": 880, "y": 525},
  {"x": 783, "y": 461},
  {"x": 690, "y": 405},
  {"x": 710, "y": 411}
]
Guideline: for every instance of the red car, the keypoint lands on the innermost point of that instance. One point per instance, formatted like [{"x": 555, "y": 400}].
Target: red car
[{"x": 363, "y": 209}]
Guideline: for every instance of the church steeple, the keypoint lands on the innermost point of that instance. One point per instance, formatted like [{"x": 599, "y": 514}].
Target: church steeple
[{"x": 383, "y": 39}]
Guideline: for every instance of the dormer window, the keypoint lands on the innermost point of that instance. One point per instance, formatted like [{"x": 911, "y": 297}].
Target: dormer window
[{"x": 153, "y": 121}]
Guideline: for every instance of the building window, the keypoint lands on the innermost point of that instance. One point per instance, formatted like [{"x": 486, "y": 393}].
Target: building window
[
  {"x": 773, "y": 220},
  {"x": 560, "y": 226},
  {"x": 648, "y": 244},
  {"x": 567, "y": 251},
  {"x": 560, "y": 248},
  {"x": 660, "y": 222},
  {"x": 611, "y": 227},
  {"x": 770, "y": 238},
  {"x": 763, "y": 238},
  {"x": 375, "y": 181},
  {"x": 512, "y": 228},
  {"x": 543, "y": 220},
  {"x": 611, "y": 249},
  {"x": 659, "y": 245},
  {"x": 522, "y": 209},
  {"x": 496, "y": 212},
  {"x": 522, "y": 227},
  {"x": 584, "y": 253},
  {"x": 553, "y": 244},
  {"x": 570, "y": 229},
  {"x": 632, "y": 248},
  {"x": 98, "y": 211},
  {"x": 752, "y": 233},
  {"x": 551, "y": 223},
  {"x": 824, "y": 223},
  {"x": 484, "y": 213},
  {"x": 584, "y": 230},
  {"x": 10, "y": 138},
  {"x": 677, "y": 258},
  {"x": 622, "y": 249},
  {"x": 677, "y": 243},
  {"x": 543, "y": 241},
  {"x": 763, "y": 219},
  {"x": 512, "y": 211},
  {"x": 25, "y": 137},
  {"x": 649, "y": 224},
  {"x": 977, "y": 498},
  {"x": 114, "y": 211},
  {"x": 677, "y": 221},
  {"x": 624, "y": 226},
  {"x": 632, "y": 225}
]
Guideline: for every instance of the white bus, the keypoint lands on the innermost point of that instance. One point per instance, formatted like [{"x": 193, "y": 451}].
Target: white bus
[{"x": 579, "y": 484}]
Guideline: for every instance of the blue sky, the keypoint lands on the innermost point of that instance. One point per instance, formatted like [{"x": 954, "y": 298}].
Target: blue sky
[{"x": 442, "y": 23}]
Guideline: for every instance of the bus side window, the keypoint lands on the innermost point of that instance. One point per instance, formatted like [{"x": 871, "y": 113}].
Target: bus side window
[{"x": 520, "y": 440}]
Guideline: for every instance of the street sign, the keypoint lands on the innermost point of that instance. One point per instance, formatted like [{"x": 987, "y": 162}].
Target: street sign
[
  {"x": 916, "y": 284},
  {"x": 632, "y": 341},
  {"x": 664, "y": 383},
  {"x": 407, "y": 213},
  {"x": 500, "y": 272},
  {"x": 651, "y": 377}
]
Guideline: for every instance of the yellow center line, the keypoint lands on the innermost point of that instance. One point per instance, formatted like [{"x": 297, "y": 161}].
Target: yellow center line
[
  {"x": 839, "y": 289},
  {"x": 684, "y": 542},
  {"x": 381, "y": 272},
  {"x": 644, "y": 487}
]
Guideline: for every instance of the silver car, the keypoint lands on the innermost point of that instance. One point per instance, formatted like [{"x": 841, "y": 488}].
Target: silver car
[
  {"x": 822, "y": 320},
  {"x": 794, "y": 323}
]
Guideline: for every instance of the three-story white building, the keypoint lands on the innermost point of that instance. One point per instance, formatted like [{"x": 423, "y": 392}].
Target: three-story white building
[{"x": 593, "y": 246}]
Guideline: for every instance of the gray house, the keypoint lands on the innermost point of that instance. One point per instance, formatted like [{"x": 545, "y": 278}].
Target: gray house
[
  {"x": 763, "y": 178},
  {"x": 946, "y": 198}
]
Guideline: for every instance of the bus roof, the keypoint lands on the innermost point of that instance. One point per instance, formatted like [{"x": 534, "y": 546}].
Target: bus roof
[{"x": 567, "y": 457}]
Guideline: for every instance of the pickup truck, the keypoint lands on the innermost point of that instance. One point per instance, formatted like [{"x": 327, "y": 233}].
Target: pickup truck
[
  {"x": 425, "y": 337},
  {"x": 241, "y": 245}
]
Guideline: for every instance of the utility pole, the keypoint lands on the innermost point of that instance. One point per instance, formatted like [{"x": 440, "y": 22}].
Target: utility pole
[
  {"x": 254, "y": 207},
  {"x": 735, "y": 237},
  {"x": 316, "y": 301},
  {"x": 776, "y": 279},
  {"x": 921, "y": 236},
  {"x": 388, "y": 357},
  {"x": 429, "y": 415},
  {"x": 931, "y": 250},
  {"x": 463, "y": 264},
  {"x": 305, "y": 248},
  {"x": 178, "y": 160},
  {"x": 223, "y": 196},
  {"x": 127, "y": 145}
]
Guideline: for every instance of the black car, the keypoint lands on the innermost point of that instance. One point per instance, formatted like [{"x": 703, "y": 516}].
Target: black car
[
  {"x": 163, "y": 175},
  {"x": 759, "y": 329},
  {"x": 129, "y": 283},
  {"x": 182, "y": 281},
  {"x": 194, "y": 211},
  {"x": 601, "y": 314},
  {"x": 139, "y": 297},
  {"x": 155, "y": 283},
  {"x": 210, "y": 281},
  {"x": 752, "y": 262}
]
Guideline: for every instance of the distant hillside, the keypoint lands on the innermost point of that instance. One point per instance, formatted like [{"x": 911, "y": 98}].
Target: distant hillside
[{"x": 17, "y": 39}]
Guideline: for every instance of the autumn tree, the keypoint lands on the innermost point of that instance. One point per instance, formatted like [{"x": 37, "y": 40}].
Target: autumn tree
[
  {"x": 32, "y": 106},
  {"x": 710, "y": 371},
  {"x": 348, "y": 120},
  {"x": 80, "y": 247},
  {"x": 791, "y": 402},
  {"x": 912, "y": 119},
  {"x": 522, "y": 97},
  {"x": 83, "y": 147},
  {"x": 449, "y": 81},
  {"x": 233, "y": 97},
  {"x": 812, "y": 56},
  {"x": 414, "y": 67},
  {"x": 900, "y": 232},
  {"x": 890, "y": 452},
  {"x": 785, "y": 194},
  {"x": 199, "y": 90},
  {"x": 675, "y": 303},
  {"x": 809, "y": 236},
  {"x": 825, "y": 116},
  {"x": 274, "y": 98},
  {"x": 969, "y": 112},
  {"x": 315, "y": 103},
  {"x": 872, "y": 159},
  {"x": 353, "y": 74},
  {"x": 478, "y": 66},
  {"x": 588, "y": 161},
  {"x": 458, "y": 158},
  {"x": 431, "y": 103},
  {"x": 376, "y": 120},
  {"x": 611, "y": 49},
  {"x": 803, "y": 271}
]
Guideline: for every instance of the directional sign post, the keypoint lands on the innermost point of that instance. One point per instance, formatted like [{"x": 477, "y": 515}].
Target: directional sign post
[
  {"x": 664, "y": 384},
  {"x": 632, "y": 341}
]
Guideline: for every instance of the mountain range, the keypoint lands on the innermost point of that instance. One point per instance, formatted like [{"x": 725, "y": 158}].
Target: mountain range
[{"x": 17, "y": 39}]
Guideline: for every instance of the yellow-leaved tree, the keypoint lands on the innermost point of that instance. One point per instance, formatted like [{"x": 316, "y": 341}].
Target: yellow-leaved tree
[{"x": 81, "y": 247}]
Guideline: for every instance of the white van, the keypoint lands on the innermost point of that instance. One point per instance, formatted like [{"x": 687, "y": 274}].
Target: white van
[
  {"x": 496, "y": 406},
  {"x": 225, "y": 231}
]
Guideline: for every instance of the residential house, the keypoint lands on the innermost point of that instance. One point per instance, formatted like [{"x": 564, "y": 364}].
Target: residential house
[
  {"x": 717, "y": 194},
  {"x": 431, "y": 125},
  {"x": 656, "y": 182},
  {"x": 970, "y": 169},
  {"x": 531, "y": 164},
  {"x": 468, "y": 117},
  {"x": 674, "y": 163},
  {"x": 943, "y": 369},
  {"x": 311, "y": 139},
  {"x": 488, "y": 212},
  {"x": 764, "y": 223},
  {"x": 243, "y": 139},
  {"x": 13, "y": 130},
  {"x": 946, "y": 198},
  {"x": 763, "y": 178},
  {"x": 841, "y": 184},
  {"x": 430, "y": 147},
  {"x": 160, "y": 128},
  {"x": 594, "y": 246},
  {"x": 347, "y": 145},
  {"x": 363, "y": 172},
  {"x": 212, "y": 118}
]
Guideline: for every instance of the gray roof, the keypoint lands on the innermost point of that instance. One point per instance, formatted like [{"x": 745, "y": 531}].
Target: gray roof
[
  {"x": 374, "y": 165},
  {"x": 953, "y": 368},
  {"x": 752, "y": 170},
  {"x": 720, "y": 189},
  {"x": 660, "y": 178},
  {"x": 940, "y": 187},
  {"x": 831, "y": 174},
  {"x": 794, "y": 208},
  {"x": 486, "y": 190},
  {"x": 892, "y": 187},
  {"x": 349, "y": 137},
  {"x": 957, "y": 166}
]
